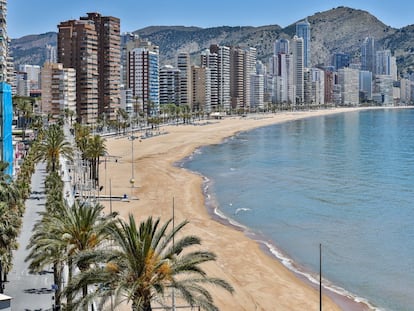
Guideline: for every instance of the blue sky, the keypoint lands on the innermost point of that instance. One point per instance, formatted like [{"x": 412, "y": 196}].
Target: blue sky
[{"x": 39, "y": 16}]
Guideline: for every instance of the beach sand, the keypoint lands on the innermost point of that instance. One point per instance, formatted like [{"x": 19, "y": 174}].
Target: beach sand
[{"x": 261, "y": 282}]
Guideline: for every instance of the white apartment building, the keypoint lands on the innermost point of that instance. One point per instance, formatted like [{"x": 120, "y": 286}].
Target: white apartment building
[
  {"x": 185, "y": 88},
  {"x": 297, "y": 48},
  {"x": 58, "y": 89},
  {"x": 348, "y": 80}
]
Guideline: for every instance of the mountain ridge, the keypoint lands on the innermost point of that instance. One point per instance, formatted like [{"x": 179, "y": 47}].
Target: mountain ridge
[{"x": 340, "y": 29}]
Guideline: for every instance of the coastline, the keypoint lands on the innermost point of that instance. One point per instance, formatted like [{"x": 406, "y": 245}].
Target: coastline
[{"x": 260, "y": 281}]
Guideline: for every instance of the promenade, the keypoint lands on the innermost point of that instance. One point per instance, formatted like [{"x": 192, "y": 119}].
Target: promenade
[{"x": 30, "y": 292}]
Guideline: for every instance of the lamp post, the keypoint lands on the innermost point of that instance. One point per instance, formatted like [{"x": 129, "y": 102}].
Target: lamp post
[{"x": 132, "y": 180}]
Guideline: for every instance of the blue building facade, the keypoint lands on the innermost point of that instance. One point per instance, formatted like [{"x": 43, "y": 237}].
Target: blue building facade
[
  {"x": 6, "y": 118},
  {"x": 303, "y": 31},
  {"x": 154, "y": 82}
]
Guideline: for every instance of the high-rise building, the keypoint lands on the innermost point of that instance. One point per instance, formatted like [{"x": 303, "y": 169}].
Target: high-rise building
[
  {"x": 256, "y": 91},
  {"x": 341, "y": 60},
  {"x": 22, "y": 84},
  {"x": 348, "y": 79},
  {"x": 58, "y": 89},
  {"x": 201, "y": 83},
  {"x": 406, "y": 86},
  {"x": 303, "y": 31},
  {"x": 368, "y": 52},
  {"x": 209, "y": 60},
  {"x": 184, "y": 65},
  {"x": 125, "y": 39},
  {"x": 318, "y": 86},
  {"x": 365, "y": 85},
  {"x": 4, "y": 47},
  {"x": 109, "y": 63},
  {"x": 143, "y": 78},
  {"x": 51, "y": 54},
  {"x": 169, "y": 85},
  {"x": 330, "y": 77},
  {"x": 383, "y": 90},
  {"x": 383, "y": 62},
  {"x": 223, "y": 75},
  {"x": 33, "y": 75},
  {"x": 91, "y": 45},
  {"x": 242, "y": 67},
  {"x": 281, "y": 46},
  {"x": 298, "y": 68}
]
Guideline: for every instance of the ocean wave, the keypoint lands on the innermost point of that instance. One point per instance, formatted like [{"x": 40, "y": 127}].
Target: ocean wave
[
  {"x": 241, "y": 209},
  {"x": 314, "y": 278},
  {"x": 278, "y": 254}
]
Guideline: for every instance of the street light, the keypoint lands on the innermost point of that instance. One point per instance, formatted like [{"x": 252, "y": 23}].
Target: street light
[{"x": 132, "y": 180}]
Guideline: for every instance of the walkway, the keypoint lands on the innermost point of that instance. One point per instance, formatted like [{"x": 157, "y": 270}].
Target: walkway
[{"x": 30, "y": 292}]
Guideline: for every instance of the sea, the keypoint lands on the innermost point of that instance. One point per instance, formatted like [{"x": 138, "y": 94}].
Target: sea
[{"x": 334, "y": 190}]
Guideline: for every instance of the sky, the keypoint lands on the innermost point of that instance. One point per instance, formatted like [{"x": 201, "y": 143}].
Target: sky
[{"x": 25, "y": 17}]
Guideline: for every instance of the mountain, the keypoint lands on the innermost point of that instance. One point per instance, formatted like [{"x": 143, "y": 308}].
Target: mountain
[
  {"x": 341, "y": 29},
  {"x": 32, "y": 49}
]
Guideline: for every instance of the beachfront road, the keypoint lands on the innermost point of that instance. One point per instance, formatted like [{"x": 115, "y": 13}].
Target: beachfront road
[{"x": 30, "y": 291}]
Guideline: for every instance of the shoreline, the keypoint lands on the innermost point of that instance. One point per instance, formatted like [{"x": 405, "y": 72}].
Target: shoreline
[
  {"x": 260, "y": 281},
  {"x": 343, "y": 298}
]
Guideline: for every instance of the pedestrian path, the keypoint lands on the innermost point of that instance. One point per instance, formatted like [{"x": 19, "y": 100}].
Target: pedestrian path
[{"x": 30, "y": 291}]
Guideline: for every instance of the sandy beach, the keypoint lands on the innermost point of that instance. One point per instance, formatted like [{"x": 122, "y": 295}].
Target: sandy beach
[{"x": 261, "y": 282}]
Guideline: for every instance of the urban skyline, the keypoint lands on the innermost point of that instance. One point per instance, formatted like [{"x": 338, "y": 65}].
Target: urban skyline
[{"x": 264, "y": 12}]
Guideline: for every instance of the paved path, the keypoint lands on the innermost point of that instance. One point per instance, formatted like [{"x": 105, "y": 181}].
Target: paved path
[{"x": 30, "y": 292}]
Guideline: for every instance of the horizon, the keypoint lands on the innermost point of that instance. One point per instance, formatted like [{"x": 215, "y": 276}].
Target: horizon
[{"x": 179, "y": 14}]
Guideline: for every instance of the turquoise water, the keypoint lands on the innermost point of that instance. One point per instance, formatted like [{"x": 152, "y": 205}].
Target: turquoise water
[{"x": 345, "y": 181}]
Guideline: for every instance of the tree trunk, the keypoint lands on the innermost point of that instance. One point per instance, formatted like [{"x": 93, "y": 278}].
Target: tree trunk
[
  {"x": 70, "y": 273},
  {"x": 141, "y": 306},
  {"x": 57, "y": 279}
]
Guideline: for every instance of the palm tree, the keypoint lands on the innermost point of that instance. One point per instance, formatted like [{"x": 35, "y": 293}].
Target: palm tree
[
  {"x": 145, "y": 262},
  {"x": 96, "y": 149},
  {"x": 82, "y": 134},
  {"x": 65, "y": 233},
  {"x": 53, "y": 146},
  {"x": 24, "y": 107}
]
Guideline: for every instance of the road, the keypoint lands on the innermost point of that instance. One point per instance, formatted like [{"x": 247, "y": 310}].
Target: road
[{"x": 30, "y": 292}]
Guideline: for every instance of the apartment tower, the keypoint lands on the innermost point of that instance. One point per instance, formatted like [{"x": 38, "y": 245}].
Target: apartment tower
[
  {"x": 143, "y": 78},
  {"x": 58, "y": 89},
  {"x": 91, "y": 45},
  {"x": 184, "y": 65},
  {"x": 297, "y": 47}
]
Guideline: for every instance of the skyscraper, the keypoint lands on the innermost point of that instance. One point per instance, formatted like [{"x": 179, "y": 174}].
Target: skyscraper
[
  {"x": 201, "y": 83},
  {"x": 209, "y": 60},
  {"x": 223, "y": 75},
  {"x": 91, "y": 46},
  {"x": 348, "y": 79},
  {"x": 297, "y": 47},
  {"x": 169, "y": 85},
  {"x": 368, "y": 52},
  {"x": 4, "y": 41},
  {"x": 303, "y": 31},
  {"x": 281, "y": 46},
  {"x": 340, "y": 60},
  {"x": 143, "y": 77},
  {"x": 184, "y": 65},
  {"x": 383, "y": 62},
  {"x": 242, "y": 67}
]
